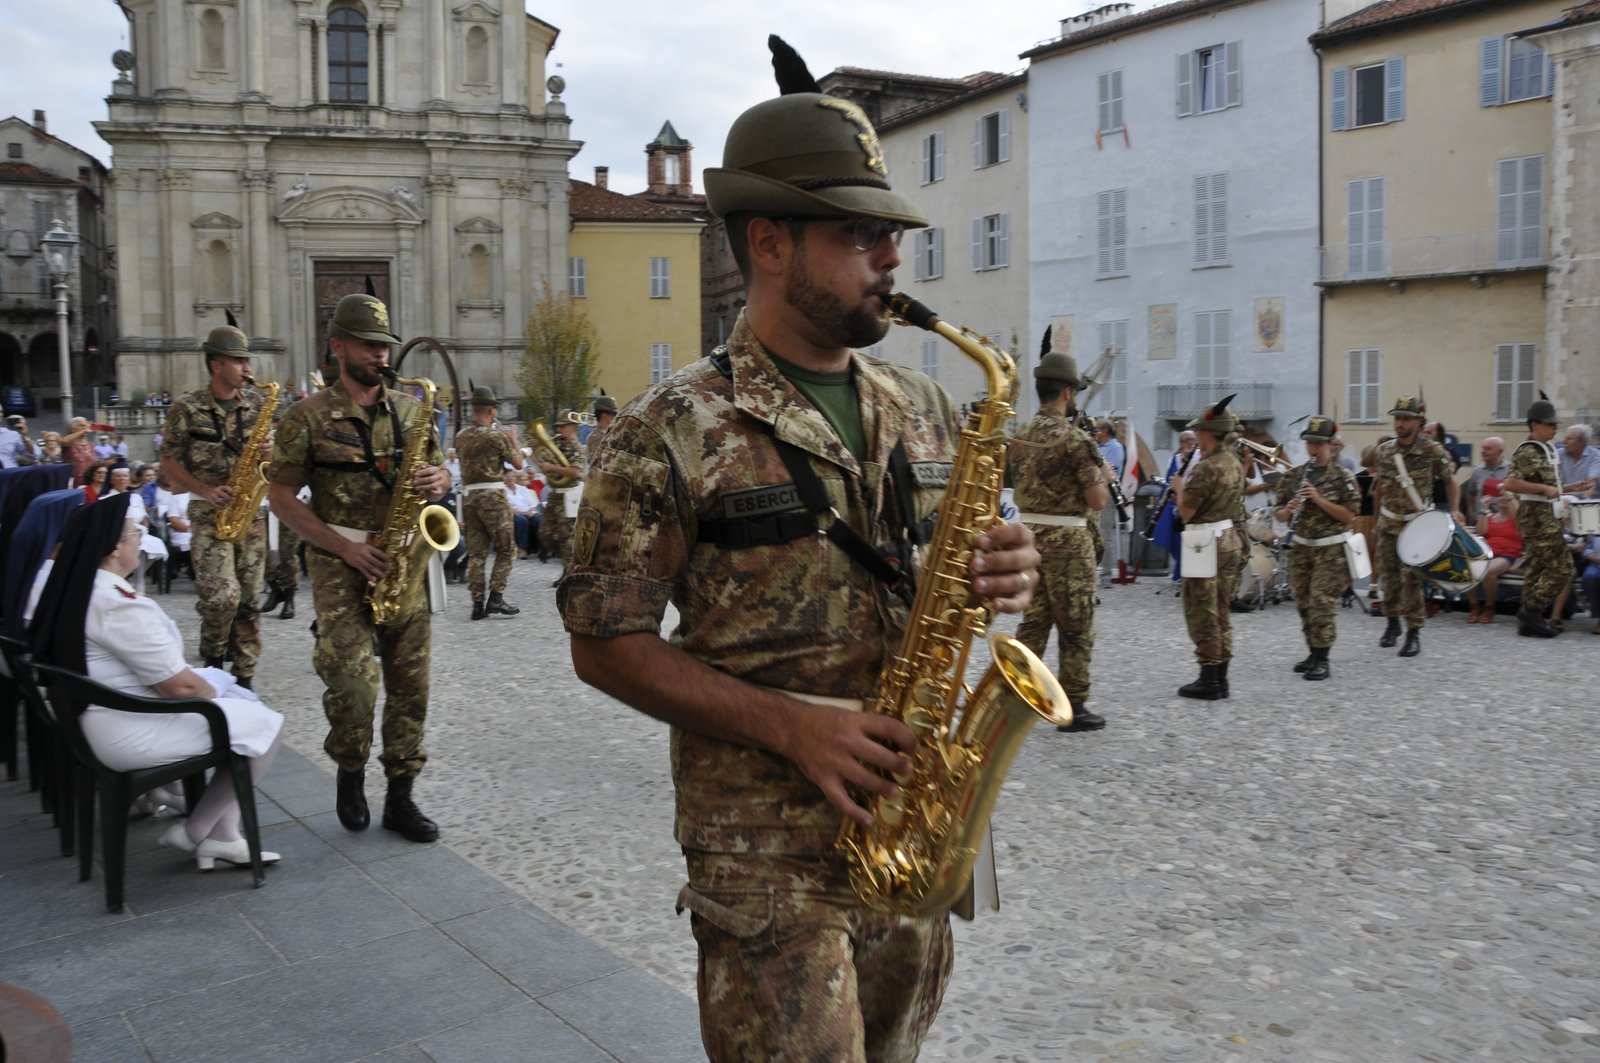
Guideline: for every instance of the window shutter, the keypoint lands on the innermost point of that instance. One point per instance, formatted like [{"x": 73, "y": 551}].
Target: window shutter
[
  {"x": 1234, "y": 74},
  {"x": 1202, "y": 349},
  {"x": 977, "y": 243},
  {"x": 1550, "y": 77},
  {"x": 1119, "y": 231},
  {"x": 921, "y": 250},
  {"x": 1339, "y": 96},
  {"x": 1356, "y": 226},
  {"x": 1219, "y": 217},
  {"x": 1221, "y": 338},
  {"x": 1103, "y": 234},
  {"x": 1490, "y": 73},
  {"x": 936, "y": 241},
  {"x": 938, "y": 156},
  {"x": 1005, "y": 134},
  {"x": 977, "y": 144},
  {"x": 1202, "y": 221},
  {"x": 925, "y": 164},
  {"x": 1352, "y": 388},
  {"x": 1394, "y": 89},
  {"x": 1185, "y": 84},
  {"x": 1504, "y": 371},
  {"x": 1531, "y": 216},
  {"x": 1002, "y": 255},
  {"x": 1105, "y": 125},
  {"x": 1116, "y": 99},
  {"x": 1375, "y": 225}
]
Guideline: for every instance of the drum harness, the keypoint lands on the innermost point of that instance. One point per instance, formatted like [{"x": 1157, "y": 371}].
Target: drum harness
[
  {"x": 1404, "y": 476},
  {"x": 1548, "y": 452}
]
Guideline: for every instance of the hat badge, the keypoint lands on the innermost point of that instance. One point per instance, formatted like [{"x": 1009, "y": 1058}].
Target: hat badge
[
  {"x": 380, "y": 314},
  {"x": 866, "y": 137}
]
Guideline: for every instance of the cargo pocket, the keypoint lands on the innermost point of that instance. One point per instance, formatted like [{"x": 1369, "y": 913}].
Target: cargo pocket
[{"x": 744, "y": 915}]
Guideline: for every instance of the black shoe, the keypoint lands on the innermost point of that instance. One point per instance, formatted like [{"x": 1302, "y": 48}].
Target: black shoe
[
  {"x": 401, "y": 815},
  {"x": 1531, "y": 622},
  {"x": 1413, "y": 644},
  {"x": 479, "y": 612},
  {"x": 1205, "y": 688},
  {"x": 498, "y": 604},
  {"x": 1222, "y": 678},
  {"x": 351, "y": 802},
  {"x": 1319, "y": 665},
  {"x": 1301, "y": 667},
  {"x": 274, "y": 598},
  {"x": 1239, "y": 605},
  {"x": 1083, "y": 719},
  {"x": 213, "y": 662},
  {"x": 287, "y": 612},
  {"x": 1391, "y": 634},
  {"x": 245, "y": 681}
]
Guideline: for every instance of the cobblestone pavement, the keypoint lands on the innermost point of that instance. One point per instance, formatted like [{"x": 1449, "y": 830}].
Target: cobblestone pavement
[{"x": 1397, "y": 864}]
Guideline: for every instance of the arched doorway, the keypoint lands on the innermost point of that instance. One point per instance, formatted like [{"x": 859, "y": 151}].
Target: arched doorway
[
  {"x": 44, "y": 361},
  {"x": 12, "y": 368}
]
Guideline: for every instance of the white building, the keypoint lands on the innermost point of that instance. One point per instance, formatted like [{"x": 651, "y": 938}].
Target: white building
[
  {"x": 1173, "y": 202},
  {"x": 269, "y": 157}
]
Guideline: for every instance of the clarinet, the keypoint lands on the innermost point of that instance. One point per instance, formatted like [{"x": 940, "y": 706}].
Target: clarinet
[
  {"x": 1118, "y": 499},
  {"x": 1305, "y": 481},
  {"x": 1166, "y": 496}
]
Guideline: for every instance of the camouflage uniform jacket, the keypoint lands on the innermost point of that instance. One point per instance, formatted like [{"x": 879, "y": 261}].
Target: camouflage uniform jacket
[
  {"x": 484, "y": 451},
  {"x": 324, "y": 443},
  {"x": 1053, "y": 477},
  {"x": 1537, "y": 520},
  {"x": 1425, "y": 461},
  {"x": 1337, "y": 484},
  {"x": 206, "y": 439},
  {"x": 797, "y": 615},
  {"x": 1214, "y": 488}
]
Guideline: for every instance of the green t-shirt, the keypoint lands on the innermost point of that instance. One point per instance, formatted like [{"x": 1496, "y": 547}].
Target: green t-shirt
[{"x": 834, "y": 396}]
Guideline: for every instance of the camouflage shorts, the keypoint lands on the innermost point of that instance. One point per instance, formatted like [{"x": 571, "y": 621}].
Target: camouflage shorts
[{"x": 793, "y": 968}]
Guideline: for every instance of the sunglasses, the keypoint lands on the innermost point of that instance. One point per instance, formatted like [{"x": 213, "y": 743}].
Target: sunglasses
[{"x": 864, "y": 232}]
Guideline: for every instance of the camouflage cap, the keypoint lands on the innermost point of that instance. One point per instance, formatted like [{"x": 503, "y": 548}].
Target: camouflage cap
[
  {"x": 1320, "y": 429},
  {"x": 1058, "y": 366},
  {"x": 1408, "y": 406},
  {"x": 605, "y": 404},
  {"x": 362, "y": 317},
  {"x": 1543, "y": 411},
  {"x": 227, "y": 341},
  {"x": 483, "y": 395},
  {"x": 1217, "y": 419}
]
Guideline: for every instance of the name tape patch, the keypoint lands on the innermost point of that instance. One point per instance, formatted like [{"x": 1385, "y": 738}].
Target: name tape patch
[
  {"x": 931, "y": 473},
  {"x": 761, "y": 500}
]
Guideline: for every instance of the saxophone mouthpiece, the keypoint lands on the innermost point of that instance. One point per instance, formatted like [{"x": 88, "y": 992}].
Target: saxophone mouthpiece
[
  {"x": 910, "y": 310},
  {"x": 388, "y": 371}
]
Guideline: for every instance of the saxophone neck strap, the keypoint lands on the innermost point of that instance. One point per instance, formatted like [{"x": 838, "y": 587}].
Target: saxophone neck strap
[{"x": 385, "y": 470}]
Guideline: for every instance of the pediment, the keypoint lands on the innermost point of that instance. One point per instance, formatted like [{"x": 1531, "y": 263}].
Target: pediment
[
  {"x": 475, "y": 12},
  {"x": 478, "y": 225},
  {"x": 349, "y": 203},
  {"x": 217, "y": 220}
]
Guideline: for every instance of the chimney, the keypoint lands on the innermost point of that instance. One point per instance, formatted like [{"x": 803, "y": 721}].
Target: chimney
[
  {"x": 602, "y": 176},
  {"x": 39, "y": 123}
]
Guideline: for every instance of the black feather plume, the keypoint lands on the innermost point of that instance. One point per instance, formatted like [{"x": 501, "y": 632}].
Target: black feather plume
[
  {"x": 790, "y": 68},
  {"x": 1044, "y": 345},
  {"x": 231, "y": 319},
  {"x": 1222, "y": 405},
  {"x": 372, "y": 291},
  {"x": 1543, "y": 396}
]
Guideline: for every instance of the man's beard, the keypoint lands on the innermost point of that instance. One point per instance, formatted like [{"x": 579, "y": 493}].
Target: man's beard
[
  {"x": 847, "y": 326},
  {"x": 365, "y": 377}
]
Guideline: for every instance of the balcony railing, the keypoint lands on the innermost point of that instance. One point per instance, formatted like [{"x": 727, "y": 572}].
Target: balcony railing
[
  {"x": 1449, "y": 255},
  {"x": 1252, "y": 402},
  {"x": 26, "y": 300}
]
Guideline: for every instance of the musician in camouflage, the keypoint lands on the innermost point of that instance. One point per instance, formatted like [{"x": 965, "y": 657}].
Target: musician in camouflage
[
  {"x": 1208, "y": 502},
  {"x": 1398, "y": 502},
  {"x": 1535, "y": 479},
  {"x": 484, "y": 450},
  {"x": 1059, "y": 490},
  {"x": 782, "y": 635},
  {"x": 283, "y": 570},
  {"x": 347, "y": 443},
  {"x": 555, "y": 527},
  {"x": 1318, "y": 500},
  {"x": 205, "y": 431}
]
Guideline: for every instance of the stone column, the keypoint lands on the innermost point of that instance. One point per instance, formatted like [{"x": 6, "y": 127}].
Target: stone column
[
  {"x": 439, "y": 54},
  {"x": 308, "y": 73},
  {"x": 255, "y": 51},
  {"x": 514, "y": 251},
  {"x": 257, "y": 181},
  {"x": 440, "y": 187},
  {"x": 176, "y": 214},
  {"x": 319, "y": 81},
  {"x": 391, "y": 74}
]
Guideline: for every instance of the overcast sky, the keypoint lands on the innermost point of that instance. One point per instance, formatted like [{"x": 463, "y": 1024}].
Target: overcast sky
[{"x": 629, "y": 66}]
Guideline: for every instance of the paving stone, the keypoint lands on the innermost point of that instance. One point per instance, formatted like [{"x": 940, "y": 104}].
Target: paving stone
[
  {"x": 439, "y": 884},
  {"x": 634, "y": 1016},
  {"x": 522, "y": 1032},
  {"x": 534, "y": 952}
]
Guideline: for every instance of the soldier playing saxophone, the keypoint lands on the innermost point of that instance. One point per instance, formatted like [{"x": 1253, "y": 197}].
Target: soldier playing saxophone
[
  {"x": 348, "y": 444},
  {"x": 206, "y": 430},
  {"x": 695, "y": 497}
]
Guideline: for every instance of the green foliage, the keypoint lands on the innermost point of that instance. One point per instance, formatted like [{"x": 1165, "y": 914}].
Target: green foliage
[{"x": 562, "y": 358}]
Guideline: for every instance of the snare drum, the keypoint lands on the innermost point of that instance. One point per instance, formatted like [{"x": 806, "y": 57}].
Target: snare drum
[
  {"x": 1583, "y": 516},
  {"x": 1258, "y": 573},
  {"x": 1443, "y": 552},
  {"x": 1259, "y": 526}
]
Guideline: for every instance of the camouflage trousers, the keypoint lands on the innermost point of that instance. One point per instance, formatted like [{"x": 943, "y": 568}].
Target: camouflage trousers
[
  {"x": 1402, "y": 584},
  {"x": 792, "y": 967},
  {"x": 285, "y": 571},
  {"x": 345, "y": 657},
  {"x": 1547, "y": 565},
  {"x": 555, "y": 528},
  {"x": 486, "y": 517},
  {"x": 227, "y": 580},
  {"x": 1064, "y": 599},
  {"x": 1318, "y": 576},
  {"x": 1205, "y": 603}
]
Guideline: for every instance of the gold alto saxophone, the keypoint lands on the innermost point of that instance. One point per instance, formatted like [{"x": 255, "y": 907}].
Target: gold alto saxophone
[
  {"x": 546, "y": 445},
  {"x": 413, "y": 525},
  {"x": 249, "y": 480},
  {"x": 916, "y": 858}
]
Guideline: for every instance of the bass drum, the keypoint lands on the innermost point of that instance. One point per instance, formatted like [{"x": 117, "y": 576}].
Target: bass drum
[
  {"x": 1257, "y": 577},
  {"x": 1260, "y": 527}
]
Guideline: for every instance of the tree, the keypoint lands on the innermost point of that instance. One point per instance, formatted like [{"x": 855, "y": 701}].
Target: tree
[{"x": 561, "y": 360}]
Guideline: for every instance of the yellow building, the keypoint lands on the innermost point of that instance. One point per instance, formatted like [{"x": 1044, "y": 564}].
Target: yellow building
[
  {"x": 635, "y": 273},
  {"x": 1436, "y": 138}
]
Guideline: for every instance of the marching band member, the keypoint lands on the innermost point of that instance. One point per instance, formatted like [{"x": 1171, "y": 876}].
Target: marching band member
[
  {"x": 1536, "y": 481},
  {"x": 485, "y": 452},
  {"x": 1318, "y": 500},
  {"x": 1208, "y": 501}
]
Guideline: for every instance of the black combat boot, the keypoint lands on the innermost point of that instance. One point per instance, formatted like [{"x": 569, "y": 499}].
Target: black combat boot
[
  {"x": 1532, "y": 623},
  {"x": 274, "y": 596},
  {"x": 351, "y": 802},
  {"x": 213, "y": 662},
  {"x": 1391, "y": 634},
  {"x": 287, "y": 613},
  {"x": 1301, "y": 667},
  {"x": 1413, "y": 644},
  {"x": 401, "y": 815},
  {"x": 1222, "y": 678},
  {"x": 478, "y": 610},
  {"x": 1318, "y": 668},
  {"x": 245, "y": 681},
  {"x": 1082, "y": 718},
  {"x": 1204, "y": 688},
  {"x": 498, "y": 604}
]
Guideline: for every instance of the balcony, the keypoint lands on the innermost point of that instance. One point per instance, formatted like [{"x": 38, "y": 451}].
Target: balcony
[
  {"x": 1252, "y": 402},
  {"x": 26, "y": 302},
  {"x": 1416, "y": 257}
]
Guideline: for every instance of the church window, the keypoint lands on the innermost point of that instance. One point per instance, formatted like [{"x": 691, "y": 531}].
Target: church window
[
  {"x": 213, "y": 55},
  {"x": 480, "y": 279},
  {"x": 219, "y": 271},
  {"x": 478, "y": 56},
  {"x": 347, "y": 56}
]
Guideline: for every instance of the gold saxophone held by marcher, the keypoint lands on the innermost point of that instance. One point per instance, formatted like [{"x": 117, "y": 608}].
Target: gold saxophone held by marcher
[
  {"x": 553, "y": 456},
  {"x": 249, "y": 481},
  {"x": 917, "y": 856},
  {"x": 413, "y": 525}
]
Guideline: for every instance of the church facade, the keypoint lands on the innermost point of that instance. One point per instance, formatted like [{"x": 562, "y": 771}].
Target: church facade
[{"x": 269, "y": 158}]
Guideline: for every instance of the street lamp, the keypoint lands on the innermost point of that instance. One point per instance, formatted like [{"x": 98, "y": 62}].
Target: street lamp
[{"x": 59, "y": 248}]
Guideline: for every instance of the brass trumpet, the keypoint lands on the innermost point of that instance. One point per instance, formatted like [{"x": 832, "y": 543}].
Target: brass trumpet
[{"x": 1273, "y": 456}]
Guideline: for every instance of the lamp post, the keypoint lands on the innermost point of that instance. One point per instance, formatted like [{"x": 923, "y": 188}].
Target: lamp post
[{"x": 59, "y": 247}]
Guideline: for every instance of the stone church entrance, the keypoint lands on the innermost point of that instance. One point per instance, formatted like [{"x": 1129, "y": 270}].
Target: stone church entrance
[{"x": 333, "y": 279}]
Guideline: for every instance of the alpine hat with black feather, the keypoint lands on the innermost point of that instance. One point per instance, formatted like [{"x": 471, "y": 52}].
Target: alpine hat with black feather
[
  {"x": 1217, "y": 419},
  {"x": 228, "y": 341},
  {"x": 805, "y": 154}
]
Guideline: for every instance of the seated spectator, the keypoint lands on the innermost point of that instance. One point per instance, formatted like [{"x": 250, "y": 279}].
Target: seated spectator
[
  {"x": 174, "y": 510},
  {"x": 1499, "y": 530},
  {"x": 90, "y": 620},
  {"x": 1480, "y": 493},
  {"x": 1580, "y": 462},
  {"x": 1590, "y": 578},
  {"x": 151, "y": 548},
  {"x": 524, "y": 515},
  {"x": 103, "y": 448},
  {"x": 147, "y": 486},
  {"x": 166, "y": 398},
  {"x": 97, "y": 481}
]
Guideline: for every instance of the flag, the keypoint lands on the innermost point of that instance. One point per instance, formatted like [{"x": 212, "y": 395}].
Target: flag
[{"x": 1130, "y": 463}]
